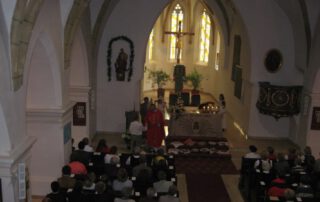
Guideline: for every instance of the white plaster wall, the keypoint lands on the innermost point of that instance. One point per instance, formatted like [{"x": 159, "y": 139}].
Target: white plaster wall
[
  {"x": 269, "y": 29},
  {"x": 95, "y": 7},
  {"x": 79, "y": 73},
  {"x": 48, "y": 153},
  {"x": 65, "y": 7},
  {"x": 5, "y": 144},
  {"x": 8, "y": 7},
  {"x": 114, "y": 98},
  {"x": 79, "y": 83},
  {"x": 313, "y": 7}
]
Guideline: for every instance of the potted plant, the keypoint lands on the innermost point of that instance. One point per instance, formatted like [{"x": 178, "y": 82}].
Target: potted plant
[
  {"x": 195, "y": 78},
  {"x": 160, "y": 78}
]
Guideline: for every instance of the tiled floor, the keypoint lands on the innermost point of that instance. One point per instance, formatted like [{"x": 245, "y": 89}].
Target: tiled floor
[{"x": 238, "y": 143}]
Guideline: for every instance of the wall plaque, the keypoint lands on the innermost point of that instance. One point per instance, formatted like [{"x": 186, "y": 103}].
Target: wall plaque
[
  {"x": 315, "y": 122},
  {"x": 79, "y": 114}
]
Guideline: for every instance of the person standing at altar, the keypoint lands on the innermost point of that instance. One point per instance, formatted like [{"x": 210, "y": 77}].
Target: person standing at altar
[
  {"x": 144, "y": 108},
  {"x": 154, "y": 122}
]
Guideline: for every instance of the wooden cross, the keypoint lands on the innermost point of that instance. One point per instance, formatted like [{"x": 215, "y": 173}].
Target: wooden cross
[{"x": 178, "y": 36}]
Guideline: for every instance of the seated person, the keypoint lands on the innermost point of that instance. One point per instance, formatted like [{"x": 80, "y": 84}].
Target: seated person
[
  {"x": 89, "y": 183},
  {"x": 158, "y": 157},
  {"x": 102, "y": 147},
  {"x": 66, "y": 181},
  {"x": 171, "y": 196},
  {"x": 162, "y": 186},
  {"x": 101, "y": 194},
  {"x": 126, "y": 194},
  {"x": 87, "y": 146},
  {"x": 112, "y": 168},
  {"x": 56, "y": 195},
  {"x": 253, "y": 153},
  {"x": 281, "y": 166},
  {"x": 134, "y": 158},
  {"x": 308, "y": 159},
  {"x": 76, "y": 195},
  {"x": 289, "y": 195},
  {"x": 142, "y": 166},
  {"x": 112, "y": 154},
  {"x": 271, "y": 154},
  {"x": 150, "y": 196},
  {"x": 77, "y": 168},
  {"x": 263, "y": 164},
  {"x": 80, "y": 154},
  {"x": 122, "y": 181},
  {"x": 304, "y": 190},
  {"x": 277, "y": 186}
]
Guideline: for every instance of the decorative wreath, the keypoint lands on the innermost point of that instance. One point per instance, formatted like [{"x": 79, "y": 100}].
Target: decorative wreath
[{"x": 109, "y": 54}]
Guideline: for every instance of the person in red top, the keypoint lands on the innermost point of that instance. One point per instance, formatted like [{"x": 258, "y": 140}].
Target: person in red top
[
  {"x": 154, "y": 122},
  {"x": 277, "y": 187},
  {"x": 78, "y": 168}
]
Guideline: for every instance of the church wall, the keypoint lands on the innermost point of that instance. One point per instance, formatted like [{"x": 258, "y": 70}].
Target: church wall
[
  {"x": 48, "y": 108},
  {"x": 5, "y": 127},
  {"x": 79, "y": 83},
  {"x": 310, "y": 136},
  {"x": 65, "y": 7},
  {"x": 269, "y": 29},
  {"x": 114, "y": 98},
  {"x": 8, "y": 10}
]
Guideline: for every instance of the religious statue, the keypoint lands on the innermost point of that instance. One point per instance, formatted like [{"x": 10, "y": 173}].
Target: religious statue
[
  {"x": 121, "y": 65},
  {"x": 179, "y": 70}
]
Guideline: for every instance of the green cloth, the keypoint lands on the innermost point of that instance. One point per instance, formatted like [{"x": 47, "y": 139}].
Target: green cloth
[{"x": 179, "y": 74}]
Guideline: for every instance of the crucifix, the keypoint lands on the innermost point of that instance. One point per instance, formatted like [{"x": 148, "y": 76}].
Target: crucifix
[{"x": 178, "y": 36}]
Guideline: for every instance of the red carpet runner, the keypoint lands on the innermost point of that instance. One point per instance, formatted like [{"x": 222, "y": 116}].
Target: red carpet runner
[{"x": 203, "y": 175}]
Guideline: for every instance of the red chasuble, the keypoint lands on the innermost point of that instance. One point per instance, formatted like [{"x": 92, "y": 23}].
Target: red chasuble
[{"x": 155, "y": 124}]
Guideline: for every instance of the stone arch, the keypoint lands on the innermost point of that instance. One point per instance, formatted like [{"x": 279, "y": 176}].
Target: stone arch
[
  {"x": 79, "y": 65},
  {"x": 71, "y": 27},
  {"x": 44, "y": 91},
  {"x": 5, "y": 142},
  {"x": 23, "y": 20}
]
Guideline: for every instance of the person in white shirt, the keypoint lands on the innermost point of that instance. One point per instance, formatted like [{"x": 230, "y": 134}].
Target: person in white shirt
[
  {"x": 87, "y": 146},
  {"x": 135, "y": 129},
  {"x": 253, "y": 153}
]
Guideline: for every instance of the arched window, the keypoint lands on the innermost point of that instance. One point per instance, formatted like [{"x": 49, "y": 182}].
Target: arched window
[
  {"x": 176, "y": 17},
  {"x": 151, "y": 44},
  {"x": 204, "y": 37},
  {"x": 217, "y": 62}
]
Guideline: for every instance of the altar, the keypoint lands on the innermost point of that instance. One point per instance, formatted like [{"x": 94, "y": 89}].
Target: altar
[{"x": 196, "y": 124}]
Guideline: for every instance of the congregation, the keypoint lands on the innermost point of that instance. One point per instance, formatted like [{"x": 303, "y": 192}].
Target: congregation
[
  {"x": 103, "y": 174},
  {"x": 271, "y": 176}
]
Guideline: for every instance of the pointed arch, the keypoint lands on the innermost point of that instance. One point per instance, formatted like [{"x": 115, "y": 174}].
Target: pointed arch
[
  {"x": 23, "y": 20},
  {"x": 73, "y": 21},
  {"x": 44, "y": 84},
  {"x": 79, "y": 65}
]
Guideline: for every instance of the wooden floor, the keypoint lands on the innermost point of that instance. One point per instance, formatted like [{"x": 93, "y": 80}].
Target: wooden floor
[{"x": 238, "y": 146}]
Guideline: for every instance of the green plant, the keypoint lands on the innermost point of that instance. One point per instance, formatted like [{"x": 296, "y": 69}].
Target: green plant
[
  {"x": 158, "y": 77},
  {"x": 195, "y": 78}
]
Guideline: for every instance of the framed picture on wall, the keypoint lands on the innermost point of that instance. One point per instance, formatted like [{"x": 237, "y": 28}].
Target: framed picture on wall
[
  {"x": 79, "y": 114},
  {"x": 315, "y": 122}
]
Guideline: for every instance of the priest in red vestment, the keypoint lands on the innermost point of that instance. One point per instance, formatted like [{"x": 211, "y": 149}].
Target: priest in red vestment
[{"x": 154, "y": 122}]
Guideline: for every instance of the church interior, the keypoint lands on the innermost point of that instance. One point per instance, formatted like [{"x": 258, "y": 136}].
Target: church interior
[{"x": 75, "y": 69}]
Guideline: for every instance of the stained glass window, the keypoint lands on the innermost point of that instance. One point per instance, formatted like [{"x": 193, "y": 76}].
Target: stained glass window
[
  {"x": 204, "y": 37},
  {"x": 176, "y": 17},
  {"x": 217, "y": 62},
  {"x": 151, "y": 43}
]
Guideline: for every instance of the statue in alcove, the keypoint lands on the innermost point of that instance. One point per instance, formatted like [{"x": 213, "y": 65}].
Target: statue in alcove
[{"x": 121, "y": 65}]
